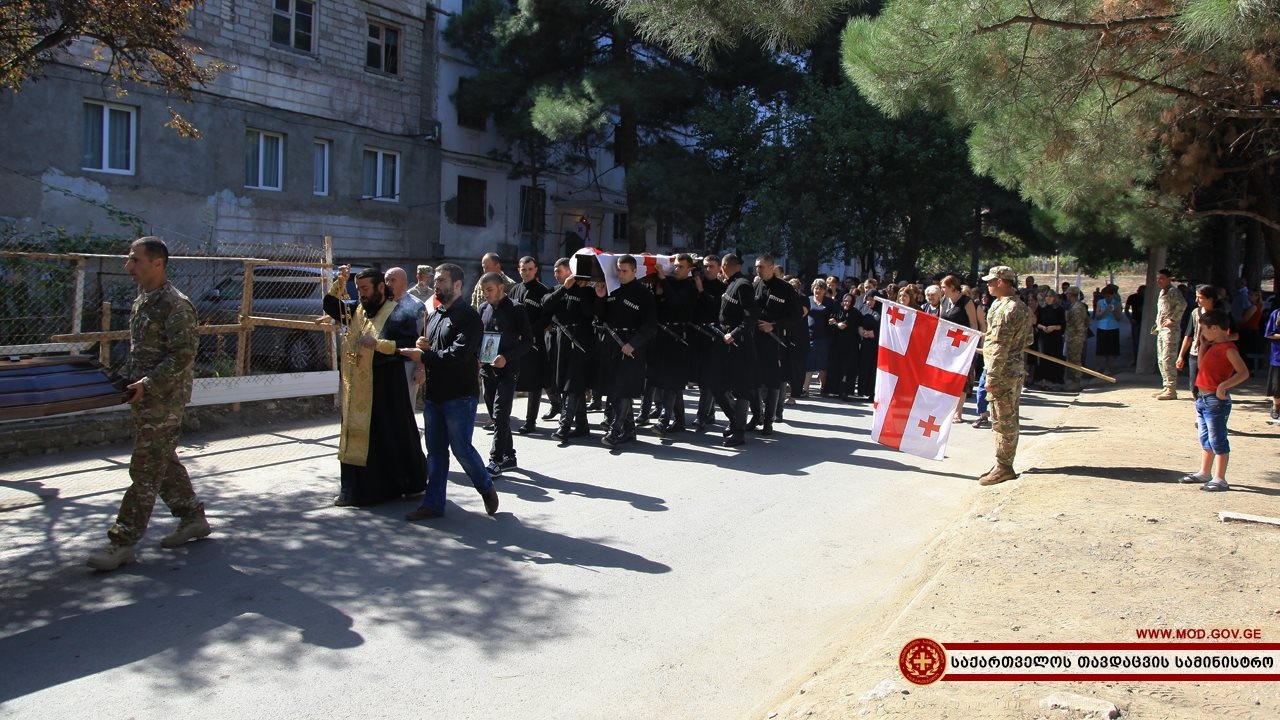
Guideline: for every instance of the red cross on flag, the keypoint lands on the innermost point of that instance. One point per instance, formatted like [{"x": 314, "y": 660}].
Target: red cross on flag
[
  {"x": 920, "y": 376},
  {"x": 646, "y": 264}
]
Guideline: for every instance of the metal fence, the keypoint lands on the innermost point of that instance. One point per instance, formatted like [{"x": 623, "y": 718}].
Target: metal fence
[{"x": 258, "y": 306}]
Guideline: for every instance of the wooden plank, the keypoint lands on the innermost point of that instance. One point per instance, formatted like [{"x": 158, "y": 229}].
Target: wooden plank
[
  {"x": 222, "y": 391},
  {"x": 1227, "y": 516},
  {"x": 92, "y": 337},
  {"x": 256, "y": 321}
]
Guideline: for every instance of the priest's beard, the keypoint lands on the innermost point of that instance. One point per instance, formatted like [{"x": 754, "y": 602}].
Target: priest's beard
[{"x": 371, "y": 307}]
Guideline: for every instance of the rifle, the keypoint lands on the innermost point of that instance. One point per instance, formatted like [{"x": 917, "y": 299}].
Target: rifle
[
  {"x": 780, "y": 341},
  {"x": 667, "y": 329},
  {"x": 710, "y": 335},
  {"x": 616, "y": 337},
  {"x": 560, "y": 328}
]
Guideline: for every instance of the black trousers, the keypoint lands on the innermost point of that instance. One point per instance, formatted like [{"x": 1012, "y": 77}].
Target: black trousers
[{"x": 499, "y": 391}]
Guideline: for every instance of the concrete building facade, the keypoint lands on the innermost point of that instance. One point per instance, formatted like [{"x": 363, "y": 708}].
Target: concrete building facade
[{"x": 323, "y": 124}]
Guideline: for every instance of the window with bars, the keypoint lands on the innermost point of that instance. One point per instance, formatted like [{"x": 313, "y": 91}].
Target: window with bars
[
  {"x": 383, "y": 48},
  {"x": 292, "y": 24},
  {"x": 263, "y": 160},
  {"x": 108, "y": 142},
  {"x": 472, "y": 201},
  {"x": 381, "y": 176}
]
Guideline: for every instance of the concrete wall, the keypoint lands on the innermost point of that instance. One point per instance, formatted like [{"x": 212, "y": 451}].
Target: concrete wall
[{"x": 194, "y": 190}]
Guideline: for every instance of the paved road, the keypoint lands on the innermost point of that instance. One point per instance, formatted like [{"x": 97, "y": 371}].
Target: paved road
[{"x": 676, "y": 579}]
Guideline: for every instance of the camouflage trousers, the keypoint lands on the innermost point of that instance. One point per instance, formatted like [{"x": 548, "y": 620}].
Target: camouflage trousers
[
  {"x": 1167, "y": 342},
  {"x": 1004, "y": 419},
  {"x": 1075, "y": 354},
  {"x": 155, "y": 471}
]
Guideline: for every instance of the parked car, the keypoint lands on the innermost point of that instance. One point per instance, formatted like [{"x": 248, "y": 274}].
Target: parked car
[{"x": 279, "y": 291}]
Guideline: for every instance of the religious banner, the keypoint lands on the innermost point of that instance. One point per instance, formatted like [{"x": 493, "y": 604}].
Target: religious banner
[
  {"x": 646, "y": 264},
  {"x": 920, "y": 376}
]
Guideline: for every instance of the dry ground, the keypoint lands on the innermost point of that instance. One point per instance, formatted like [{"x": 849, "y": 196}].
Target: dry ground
[{"x": 1095, "y": 539}]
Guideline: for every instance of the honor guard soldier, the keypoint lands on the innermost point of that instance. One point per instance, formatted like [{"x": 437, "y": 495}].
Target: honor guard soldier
[
  {"x": 569, "y": 310},
  {"x": 734, "y": 374},
  {"x": 676, "y": 295},
  {"x": 706, "y": 313},
  {"x": 779, "y": 306},
  {"x": 529, "y": 294},
  {"x": 629, "y": 320}
]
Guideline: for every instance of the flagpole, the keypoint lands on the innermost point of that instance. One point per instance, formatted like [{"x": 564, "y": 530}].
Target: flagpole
[{"x": 1071, "y": 365}]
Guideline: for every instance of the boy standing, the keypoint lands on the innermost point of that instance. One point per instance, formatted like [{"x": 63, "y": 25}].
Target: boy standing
[{"x": 1221, "y": 368}]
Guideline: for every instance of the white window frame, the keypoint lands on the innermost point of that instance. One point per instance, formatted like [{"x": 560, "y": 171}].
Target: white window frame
[
  {"x": 262, "y": 134},
  {"x": 321, "y": 154},
  {"x": 379, "y": 192},
  {"x": 105, "y": 108},
  {"x": 381, "y": 42}
]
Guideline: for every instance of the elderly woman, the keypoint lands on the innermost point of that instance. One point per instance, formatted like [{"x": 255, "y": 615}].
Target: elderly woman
[
  {"x": 820, "y": 320},
  {"x": 1051, "y": 321}
]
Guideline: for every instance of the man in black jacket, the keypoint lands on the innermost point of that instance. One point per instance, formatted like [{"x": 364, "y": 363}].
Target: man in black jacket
[
  {"x": 734, "y": 375},
  {"x": 779, "y": 306},
  {"x": 529, "y": 294},
  {"x": 503, "y": 318},
  {"x": 450, "y": 352},
  {"x": 629, "y": 320}
]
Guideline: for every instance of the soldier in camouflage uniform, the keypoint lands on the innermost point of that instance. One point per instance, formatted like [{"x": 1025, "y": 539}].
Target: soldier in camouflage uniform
[
  {"x": 1077, "y": 335},
  {"x": 1009, "y": 333},
  {"x": 1168, "y": 331},
  {"x": 162, "y": 351}
]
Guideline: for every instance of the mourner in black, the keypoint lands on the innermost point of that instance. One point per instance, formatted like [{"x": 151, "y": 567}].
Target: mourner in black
[
  {"x": 779, "y": 306},
  {"x": 869, "y": 346},
  {"x": 569, "y": 311},
  {"x": 500, "y": 364},
  {"x": 629, "y": 320},
  {"x": 842, "y": 365},
  {"x": 706, "y": 313},
  {"x": 529, "y": 294},
  {"x": 734, "y": 376},
  {"x": 669, "y": 366}
]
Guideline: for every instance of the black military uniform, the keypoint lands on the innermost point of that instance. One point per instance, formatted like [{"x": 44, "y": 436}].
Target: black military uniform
[
  {"x": 703, "y": 339},
  {"x": 509, "y": 320},
  {"x": 627, "y": 316},
  {"x": 569, "y": 313},
  {"x": 669, "y": 363},
  {"x": 534, "y": 375},
  {"x": 779, "y": 304},
  {"x": 734, "y": 377}
]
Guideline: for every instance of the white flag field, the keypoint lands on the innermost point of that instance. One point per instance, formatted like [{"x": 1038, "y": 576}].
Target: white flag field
[
  {"x": 921, "y": 373},
  {"x": 645, "y": 264}
]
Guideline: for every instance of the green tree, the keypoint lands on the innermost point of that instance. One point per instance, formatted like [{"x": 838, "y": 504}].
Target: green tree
[{"x": 136, "y": 42}]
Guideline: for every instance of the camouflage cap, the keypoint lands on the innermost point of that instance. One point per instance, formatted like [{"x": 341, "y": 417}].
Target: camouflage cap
[
  {"x": 426, "y": 270},
  {"x": 1001, "y": 271}
]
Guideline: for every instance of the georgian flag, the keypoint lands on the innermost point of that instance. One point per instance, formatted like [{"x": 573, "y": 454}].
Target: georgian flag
[
  {"x": 920, "y": 376},
  {"x": 645, "y": 264}
]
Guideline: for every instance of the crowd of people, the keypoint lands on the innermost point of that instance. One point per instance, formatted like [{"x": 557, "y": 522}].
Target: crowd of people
[{"x": 749, "y": 346}]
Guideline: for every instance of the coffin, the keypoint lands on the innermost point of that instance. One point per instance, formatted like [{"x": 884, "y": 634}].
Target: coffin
[{"x": 42, "y": 386}]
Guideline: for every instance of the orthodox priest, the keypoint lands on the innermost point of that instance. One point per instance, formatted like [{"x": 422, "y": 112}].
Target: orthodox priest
[{"x": 379, "y": 450}]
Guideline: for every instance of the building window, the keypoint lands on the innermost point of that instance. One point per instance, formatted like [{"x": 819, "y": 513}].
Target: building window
[
  {"x": 320, "y": 150},
  {"x": 291, "y": 24},
  {"x": 469, "y": 116},
  {"x": 108, "y": 138},
  {"x": 533, "y": 209},
  {"x": 263, "y": 160},
  {"x": 383, "y": 49},
  {"x": 381, "y": 177},
  {"x": 666, "y": 229},
  {"x": 472, "y": 202},
  {"x": 619, "y": 226}
]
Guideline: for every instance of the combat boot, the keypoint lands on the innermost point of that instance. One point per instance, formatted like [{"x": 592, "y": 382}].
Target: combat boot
[
  {"x": 997, "y": 475},
  {"x": 1168, "y": 394},
  {"x": 111, "y": 557},
  {"x": 193, "y": 529}
]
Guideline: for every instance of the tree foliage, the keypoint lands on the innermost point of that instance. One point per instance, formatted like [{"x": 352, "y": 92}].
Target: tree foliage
[
  {"x": 135, "y": 41},
  {"x": 1145, "y": 113}
]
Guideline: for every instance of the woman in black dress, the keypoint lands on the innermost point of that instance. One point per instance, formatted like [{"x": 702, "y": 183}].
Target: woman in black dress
[
  {"x": 1051, "y": 321},
  {"x": 842, "y": 367}
]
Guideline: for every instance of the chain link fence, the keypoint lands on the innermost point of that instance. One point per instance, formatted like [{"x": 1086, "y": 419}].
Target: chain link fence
[{"x": 257, "y": 304}]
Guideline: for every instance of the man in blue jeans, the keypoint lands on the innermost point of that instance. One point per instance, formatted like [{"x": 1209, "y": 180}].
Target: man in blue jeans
[{"x": 451, "y": 353}]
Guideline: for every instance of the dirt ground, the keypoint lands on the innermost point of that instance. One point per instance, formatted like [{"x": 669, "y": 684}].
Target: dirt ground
[{"x": 1094, "y": 540}]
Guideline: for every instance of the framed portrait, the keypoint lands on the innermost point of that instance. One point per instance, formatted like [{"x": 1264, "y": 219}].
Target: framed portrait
[{"x": 489, "y": 347}]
